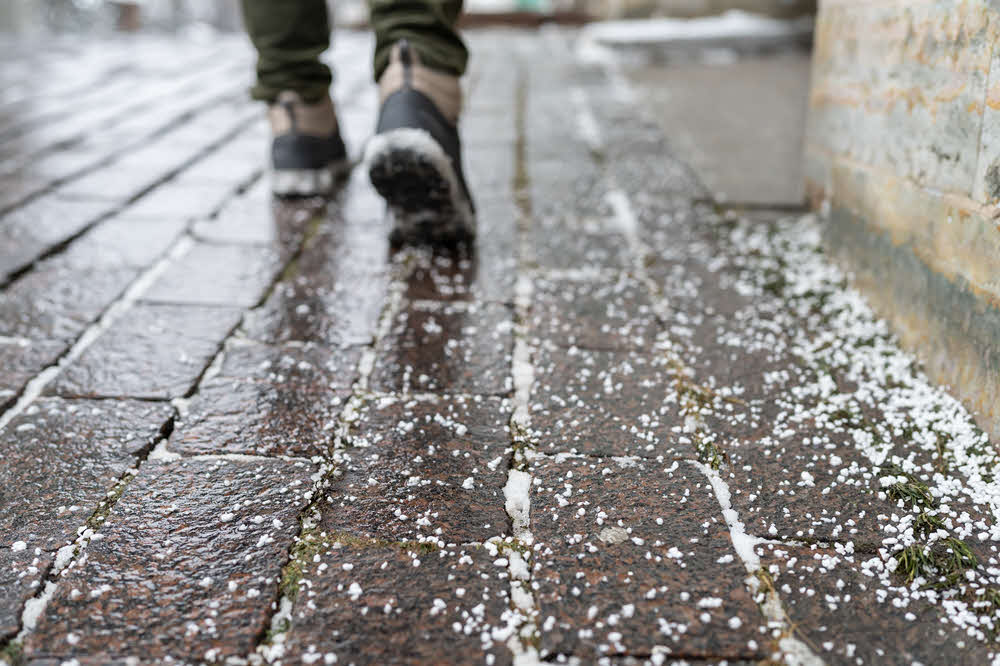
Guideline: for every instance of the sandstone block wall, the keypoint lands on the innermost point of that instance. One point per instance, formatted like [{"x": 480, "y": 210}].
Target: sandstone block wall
[{"x": 903, "y": 151}]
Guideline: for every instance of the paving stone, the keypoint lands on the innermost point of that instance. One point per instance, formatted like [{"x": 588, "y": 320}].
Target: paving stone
[
  {"x": 459, "y": 275},
  {"x": 217, "y": 275},
  {"x": 809, "y": 484},
  {"x": 579, "y": 244},
  {"x": 486, "y": 273},
  {"x": 634, "y": 554},
  {"x": 55, "y": 301},
  {"x": 152, "y": 351},
  {"x": 28, "y": 232},
  {"x": 21, "y": 574},
  {"x": 360, "y": 603},
  {"x": 124, "y": 242},
  {"x": 187, "y": 566},
  {"x": 118, "y": 182},
  {"x": 21, "y": 360},
  {"x": 60, "y": 457},
  {"x": 177, "y": 201},
  {"x": 334, "y": 296},
  {"x": 269, "y": 400},
  {"x": 850, "y": 617},
  {"x": 593, "y": 315},
  {"x": 257, "y": 218},
  {"x": 606, "y": 403},
  {"x": 424, "y": 470},
  {"x": 447, "y": 347}
]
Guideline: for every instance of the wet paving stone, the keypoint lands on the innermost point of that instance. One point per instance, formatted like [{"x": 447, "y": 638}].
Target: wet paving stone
[
  {"x": 255, "y": 218},
  {"x": 211, "y": 274},
  {"x": 580, "y": 244},
  {"x": 448, "y": 348},
  {"x": 269, "y": 400},
  {"x": 29, "y": 231},
  {"x": 632, "y": 555},
  {"x": 606, "y": 403},
  {"x": 187, "y": 566},
  {"x": 593, "y": 315},
  {"x": 850, "y": 616},
  {"x": 21, "y": 360},
  {"x": 333, "y": 295},
  {"x": 358, "y": 604},
  {"x": 57, "y": 302},
  {"x": 123, "y": 242},
  {"x": 153, "y": 351},
  {"x": 59, "y": 459},
  {"x": 427, "y": 470},
  {"x": 807, "y": 486},
  {"x": 457, "y": 275},
  {"x": 21, "y": 575},
  {"x": 181, "y": 202}
]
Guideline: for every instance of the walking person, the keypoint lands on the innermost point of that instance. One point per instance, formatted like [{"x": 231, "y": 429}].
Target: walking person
[{"x": 414, "y": 159}]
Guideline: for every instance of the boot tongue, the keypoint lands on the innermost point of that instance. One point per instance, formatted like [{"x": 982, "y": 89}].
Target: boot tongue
[{"x": 405, "y": 70}]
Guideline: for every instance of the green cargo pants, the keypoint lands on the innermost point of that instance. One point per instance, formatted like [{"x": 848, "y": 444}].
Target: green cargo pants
[{"x": 290, "y": 36}]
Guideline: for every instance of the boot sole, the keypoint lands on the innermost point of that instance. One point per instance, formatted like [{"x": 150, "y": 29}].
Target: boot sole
[
  {"x": 416, "y": 179},
  {"x": 292, "y": 183}
]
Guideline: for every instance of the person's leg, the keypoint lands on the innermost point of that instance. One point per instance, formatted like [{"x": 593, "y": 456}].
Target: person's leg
[
  {"x": 290, "y": 36},
  {"x": 428, "y": 26},
  {"x": 415, "y": 158},
  {"x": 307, "y": 153}
]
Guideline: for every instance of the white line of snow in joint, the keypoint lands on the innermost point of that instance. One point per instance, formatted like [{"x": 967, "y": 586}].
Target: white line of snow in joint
[{"x": 795, "y": 651}]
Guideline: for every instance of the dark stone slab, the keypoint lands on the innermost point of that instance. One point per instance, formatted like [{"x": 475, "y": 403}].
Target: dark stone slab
[
  {"x": 28, "y": 232},
  {"x": 305, "y": 366},
  {"x": 21, "y": 360},
  {"x": 217, "y": 275},
  {"x": 606, "y": 403},
  {"x": 447, "y": 347},
  {"x": 60, "y": 457},
  {"x": 186, "y": 568},
  {"x": 269, "y": 400},
  {"x": 594, "y": 315},
  {"x": 424, "y": 470},
  {"x": 333, "y": 295},
  {"x": 851, "y": 617},
  {"x": 487, "y": 273},
  {"x": 152, "y": 351},
  {"x": 363, "y": 604},
  {"x": 633, "y": 555},
  {"x": 21, "y": 574},
  {"x": 806, "y": 487},
  {"x": 57, "y": 302}
]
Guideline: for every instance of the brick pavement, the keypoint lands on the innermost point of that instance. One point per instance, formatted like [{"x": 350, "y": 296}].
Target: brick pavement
[{"x": 629, "y": 426}]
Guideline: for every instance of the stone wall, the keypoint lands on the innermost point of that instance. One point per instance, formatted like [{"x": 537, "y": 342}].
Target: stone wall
[{"x": 903, "y": 151}]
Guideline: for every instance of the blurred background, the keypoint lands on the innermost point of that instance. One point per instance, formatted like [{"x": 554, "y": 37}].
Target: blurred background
[
  {"x": 727, "y": 79},
  {"x": 58, "y": 16}
]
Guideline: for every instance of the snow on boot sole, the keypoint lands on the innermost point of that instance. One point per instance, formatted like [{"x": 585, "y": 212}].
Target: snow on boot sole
[
  {"x": 416, "y": 178},
  {"x": 308, "y": 182}
]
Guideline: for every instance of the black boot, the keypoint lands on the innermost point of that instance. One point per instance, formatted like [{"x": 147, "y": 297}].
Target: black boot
[
  {"x": 307, "y": 154},
  {"x": 414, "y": 160}
]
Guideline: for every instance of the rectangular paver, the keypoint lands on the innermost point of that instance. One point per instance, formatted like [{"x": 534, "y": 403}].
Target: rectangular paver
[{"x": 186, "y": 567}]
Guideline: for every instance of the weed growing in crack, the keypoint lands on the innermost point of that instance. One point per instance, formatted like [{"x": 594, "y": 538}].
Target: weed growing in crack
[
  {"x": 11, "y": 653},
  {"x": 708, "y": 452}
]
